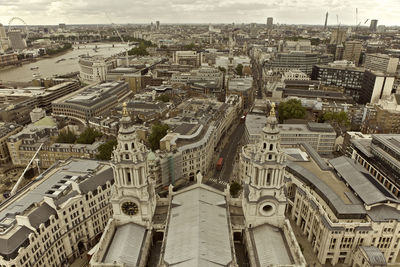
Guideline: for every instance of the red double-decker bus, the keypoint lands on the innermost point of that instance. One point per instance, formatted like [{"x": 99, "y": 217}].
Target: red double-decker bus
[{"x": 220, "y": 163}]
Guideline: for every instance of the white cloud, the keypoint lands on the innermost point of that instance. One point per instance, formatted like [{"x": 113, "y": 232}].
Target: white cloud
[{"x": 202, "y": 11}]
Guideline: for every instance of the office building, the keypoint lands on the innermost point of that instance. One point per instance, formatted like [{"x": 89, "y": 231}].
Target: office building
[
  {"x": 6, "y": 130},
  {"x": 373, "y": 26},
  {"x": 94, "y": 69},
  {"x": 338, "y": 36},
  {"x": 383, "y": 117},
  {"x": 17, "y": 110},
  {"x": 16, "y": 40},
  {"x": 157, "y": 25},
  {"x": 270, "y": 23},
  {"x": 340, "y": 210},
  {"x": 282, "y": 62},
  {"x": 91, "y": 101},
  {"x": 321, "y": 136},
  {"x": 8, "y": 59},
  {"x": 381, "y": 62},
  {"x": 40, "y": 96},
  {"x": 242, "y": 87},
  {"x": 192, "y": 58},
  {"x": 295, "y": 75},
  {"x": 375, "y": 86},
  {"x": 378, "y": 154},
  {"x": 209, "y": 77},
  {"x": 2, "y": 31},
  {"x": 24, "y": 144},
  {"x": 352, "y": 51},
  {"x": 300, "y": 45},
  {"x": 37, "y": 114},
  {"x": 350, "y": 78},
  {"x": 58, "y": 216}
]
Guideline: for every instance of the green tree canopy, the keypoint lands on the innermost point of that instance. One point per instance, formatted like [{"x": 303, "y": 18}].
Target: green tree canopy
[
  {"x": 239, "y": 69},
  {"x": 191, "y": 46},
  {"x": 106, "y": 149},
  {"x": 235, "y": 189},
  {"x": 138, "y": 51},
  {"x": 66, "y": 137},
  {"x": 158, "y": 131},
  {"x": 222, "y": 69},
  {"x": 291, "y": 109},
  {"x": 163, "y": 98},
  {"x": 338, "y": 119},
  {"x": 88, "y": 136}
]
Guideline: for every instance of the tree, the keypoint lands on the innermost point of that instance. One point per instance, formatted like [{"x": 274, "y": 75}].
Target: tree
[
  {"x": 66, "y": 137},
  {"x": 163, "y": 98},
  {"x": 106, "y": 149},
  {"x": 138, "y": 51},
  {"x": 88, "y": 136},
  {"x": 235, "y": 188},
  {"x": 222, "y": 69},
  {"x": 337, "y": 119},
  {"x": 191, "y": 46},
  {"x": 291, "y": 109},
  {"x": 158, "y": 131},
  {"x": 239, "y": 69}
]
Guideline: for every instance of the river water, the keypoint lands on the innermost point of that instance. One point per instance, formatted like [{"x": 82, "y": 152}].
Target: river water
[{"x": 53, "y": 66}]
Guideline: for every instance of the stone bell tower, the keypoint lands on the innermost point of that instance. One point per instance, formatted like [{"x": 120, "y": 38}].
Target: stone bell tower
[
  {"x": 262, "y": 170},
  {"x": 133, "y": 198}
]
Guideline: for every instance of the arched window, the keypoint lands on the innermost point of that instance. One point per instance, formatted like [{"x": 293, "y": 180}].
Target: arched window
[
  {"x": 268, "y": 178},
  {"x": 265, "y": 145},
  {"x": 271, "y": 147},
  {"x": 256, "y": 176},
  {"x": 129, "y": 177},
  {"x": 140, "y": 175},
  {"x": 126, "y": 147},
  {"x": 133, "y": 145}
]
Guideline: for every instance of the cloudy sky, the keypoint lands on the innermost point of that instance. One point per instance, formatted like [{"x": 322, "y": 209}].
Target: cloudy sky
[{"x": 199, "y": 11}]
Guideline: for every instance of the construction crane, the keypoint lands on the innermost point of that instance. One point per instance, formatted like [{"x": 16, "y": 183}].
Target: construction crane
[
  {"x": 122, "y": 40},
  {"x": 15, "y": 188}
]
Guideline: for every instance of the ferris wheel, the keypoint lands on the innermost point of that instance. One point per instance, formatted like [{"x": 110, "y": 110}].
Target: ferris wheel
[{"x": 25, "y": 26}]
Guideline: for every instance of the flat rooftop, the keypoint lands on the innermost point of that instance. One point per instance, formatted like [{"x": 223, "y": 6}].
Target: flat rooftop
[
  {"x": 390, "y": 141},
  {"x": 91, "y": 95},
  {"x": 329, "y": 178},
  {"x": 126, "y": 245},
  {"x": 52, "y": 183},
  {"x": 198, "y": 230},
  {"x": 271, "y": 246}
]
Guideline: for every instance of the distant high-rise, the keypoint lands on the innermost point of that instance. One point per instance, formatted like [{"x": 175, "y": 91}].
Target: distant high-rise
[
  {"x": 2, "y": 31},
  {"x": 352, "y": 51},
  {"x": 17, "y": 42},
  {"x": 157, "y": 25},
  {"x": 338, "y": 36},
  {"x": 326, "y": 21},
  {"x": 270, "y": 23},
  {"x": 373, "y": 25}
]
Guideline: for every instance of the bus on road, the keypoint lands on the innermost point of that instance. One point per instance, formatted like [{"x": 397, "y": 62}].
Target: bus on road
[{"x": 220, "y": 163}]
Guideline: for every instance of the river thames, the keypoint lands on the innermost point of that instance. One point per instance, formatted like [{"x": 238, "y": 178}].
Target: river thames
[{"x": 58, "y": 65}]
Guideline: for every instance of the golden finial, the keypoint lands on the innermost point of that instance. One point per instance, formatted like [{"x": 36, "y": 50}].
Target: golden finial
[
  {"x": 272, "y": 111},
  {"x": 124, "y": 110}
]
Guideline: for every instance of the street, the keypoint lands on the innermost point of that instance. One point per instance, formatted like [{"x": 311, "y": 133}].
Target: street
[{"x": 228, "y": 153}]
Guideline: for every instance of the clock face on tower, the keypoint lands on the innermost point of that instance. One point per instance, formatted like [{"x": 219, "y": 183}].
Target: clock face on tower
[{"x": 129, "y": 208}]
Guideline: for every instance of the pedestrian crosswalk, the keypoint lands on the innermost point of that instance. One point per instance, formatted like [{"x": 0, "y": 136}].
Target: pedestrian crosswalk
[{"x": 217, "y": 181}]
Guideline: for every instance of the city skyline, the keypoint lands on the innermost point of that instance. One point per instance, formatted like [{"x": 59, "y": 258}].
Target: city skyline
[{"x": 37, "y": 12}]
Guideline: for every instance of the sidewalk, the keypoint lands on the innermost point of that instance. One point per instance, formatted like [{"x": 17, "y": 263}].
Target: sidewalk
[{"x": 80, "y": 262}]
